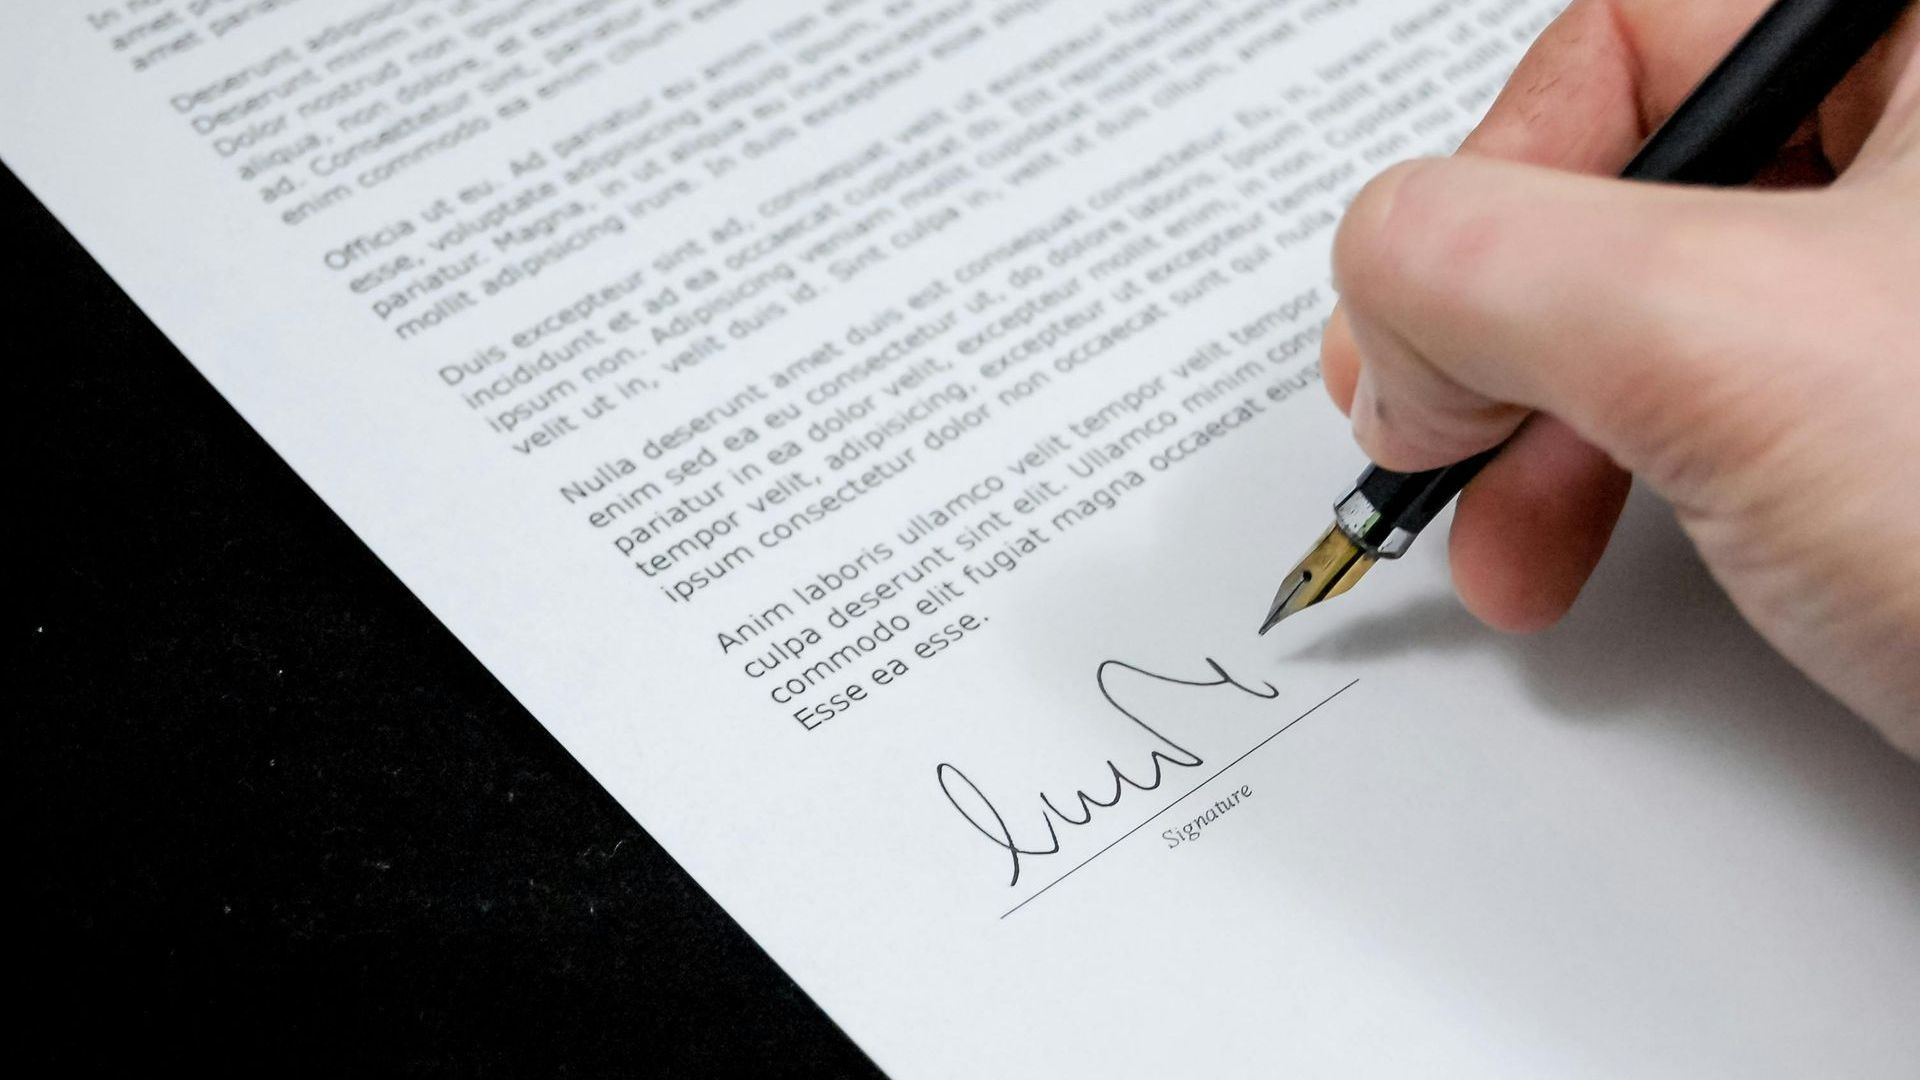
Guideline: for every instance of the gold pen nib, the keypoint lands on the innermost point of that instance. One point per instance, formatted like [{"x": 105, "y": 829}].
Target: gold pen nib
[{"x": 1330, "y": 569}]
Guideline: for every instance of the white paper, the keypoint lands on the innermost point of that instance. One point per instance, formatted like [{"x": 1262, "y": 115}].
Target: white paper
[{"x": 1638, "y": 845}]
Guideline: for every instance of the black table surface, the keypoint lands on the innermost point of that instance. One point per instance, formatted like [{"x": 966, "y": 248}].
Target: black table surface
[{"x": 270, "y": 811}]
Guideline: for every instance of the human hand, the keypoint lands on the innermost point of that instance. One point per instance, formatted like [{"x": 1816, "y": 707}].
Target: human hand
[{"x": 1754, "y": 355}]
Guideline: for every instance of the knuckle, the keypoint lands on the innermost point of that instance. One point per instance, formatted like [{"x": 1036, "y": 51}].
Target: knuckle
[
  {"x": 1374, "y": 257},
  {"x": 1428, "y": 239}
]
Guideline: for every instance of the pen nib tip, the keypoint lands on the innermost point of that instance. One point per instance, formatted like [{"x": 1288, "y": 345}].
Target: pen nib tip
[{"x": 1330, "y": 569}]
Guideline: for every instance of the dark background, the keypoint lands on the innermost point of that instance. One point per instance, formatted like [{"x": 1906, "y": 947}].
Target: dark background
[{"x": 270, "y": 811}]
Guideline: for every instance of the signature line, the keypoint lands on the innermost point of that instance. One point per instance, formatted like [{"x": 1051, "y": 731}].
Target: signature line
[{"x": 1181, "y": 799}]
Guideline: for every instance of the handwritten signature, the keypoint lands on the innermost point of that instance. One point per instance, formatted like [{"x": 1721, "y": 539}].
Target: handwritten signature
[{"x": 989, "y": 822}]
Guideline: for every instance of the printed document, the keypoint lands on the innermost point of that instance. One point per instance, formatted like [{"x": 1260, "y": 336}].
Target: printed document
[{"x": 867, "y": 433}]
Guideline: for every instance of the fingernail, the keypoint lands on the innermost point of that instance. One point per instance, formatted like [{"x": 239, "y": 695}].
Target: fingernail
[{"x": 1367, "y": 409}]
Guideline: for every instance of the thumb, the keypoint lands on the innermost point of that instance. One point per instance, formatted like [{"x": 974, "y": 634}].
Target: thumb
[{"x": 1478, "y": 291}]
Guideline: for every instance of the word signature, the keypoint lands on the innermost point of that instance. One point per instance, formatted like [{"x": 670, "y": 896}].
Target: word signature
[{"x": 989, "y": 822}]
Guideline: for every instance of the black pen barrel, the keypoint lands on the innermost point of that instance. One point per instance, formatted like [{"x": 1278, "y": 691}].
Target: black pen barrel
[{"x": 1747, "y": 108}]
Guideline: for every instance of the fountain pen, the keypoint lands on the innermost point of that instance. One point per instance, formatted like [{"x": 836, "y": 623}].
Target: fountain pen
[{"x": 1722, "y": 134}]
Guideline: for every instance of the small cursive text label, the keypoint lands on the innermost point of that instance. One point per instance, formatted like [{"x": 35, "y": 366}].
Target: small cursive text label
[{"x": 1188, "y": 832}]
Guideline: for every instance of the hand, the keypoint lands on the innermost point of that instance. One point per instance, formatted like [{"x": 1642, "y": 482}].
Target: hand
[{"x": 1754, "y": 354}]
